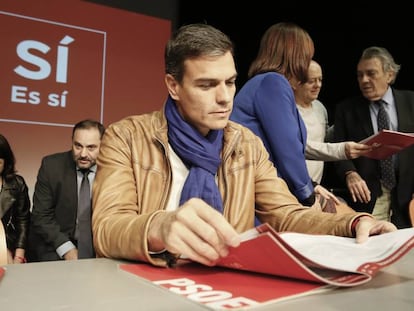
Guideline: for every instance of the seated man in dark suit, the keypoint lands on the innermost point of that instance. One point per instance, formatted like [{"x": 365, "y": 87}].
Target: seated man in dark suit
[{"x": 55, "y": 231}]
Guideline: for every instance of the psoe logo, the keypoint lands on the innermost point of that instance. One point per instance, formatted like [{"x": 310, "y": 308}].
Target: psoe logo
[{"x": 54, "y": 72}]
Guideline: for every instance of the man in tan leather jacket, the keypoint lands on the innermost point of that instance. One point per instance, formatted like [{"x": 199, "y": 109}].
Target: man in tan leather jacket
[{"x": 186, "y": 180}]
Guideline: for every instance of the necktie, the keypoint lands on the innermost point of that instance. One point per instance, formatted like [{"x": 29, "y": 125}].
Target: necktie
[
  {"x": 387, "y": 167},
  {"x": 85, "y": 246}
]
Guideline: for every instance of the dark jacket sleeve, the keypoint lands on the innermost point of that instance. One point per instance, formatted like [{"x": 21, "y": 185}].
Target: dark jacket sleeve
[{"x": 22, "y": 212}]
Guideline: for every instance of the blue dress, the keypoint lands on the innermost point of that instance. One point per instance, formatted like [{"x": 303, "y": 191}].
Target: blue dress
[{"x": 266, "y": 104}]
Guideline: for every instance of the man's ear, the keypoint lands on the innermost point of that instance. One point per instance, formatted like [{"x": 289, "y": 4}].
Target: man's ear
[
  {"x": 172, "y": 86},
  {"x": 390, "y": 76}
]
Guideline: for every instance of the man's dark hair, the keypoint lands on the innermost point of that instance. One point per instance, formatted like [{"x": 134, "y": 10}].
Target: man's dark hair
[
  {"x": 87, "y": 124},
  {"x": 191, "y": 41}
]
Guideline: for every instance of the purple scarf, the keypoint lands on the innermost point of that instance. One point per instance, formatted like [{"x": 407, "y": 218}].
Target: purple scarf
[{"x": 200, "y": 154}]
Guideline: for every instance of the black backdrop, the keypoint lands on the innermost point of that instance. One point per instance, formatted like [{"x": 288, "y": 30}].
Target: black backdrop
[{"x": 340, "y": 30}]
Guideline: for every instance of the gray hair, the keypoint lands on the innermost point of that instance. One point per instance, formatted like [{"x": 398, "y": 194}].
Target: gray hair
[{"x": 385, "y": 57}]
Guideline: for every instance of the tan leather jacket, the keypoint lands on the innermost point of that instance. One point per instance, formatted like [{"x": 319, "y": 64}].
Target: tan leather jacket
[{"x": 133, "y": 183}]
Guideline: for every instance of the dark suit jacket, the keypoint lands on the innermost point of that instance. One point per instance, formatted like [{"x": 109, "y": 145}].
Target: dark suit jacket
[
  {"x": 353, "y": 123},
  {"x": 55, "y": 201}
]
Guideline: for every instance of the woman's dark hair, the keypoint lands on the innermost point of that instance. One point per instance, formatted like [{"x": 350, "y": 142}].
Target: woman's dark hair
[
  {"x": 285, "y": 48},
  {"x": 6, "y": 153}
]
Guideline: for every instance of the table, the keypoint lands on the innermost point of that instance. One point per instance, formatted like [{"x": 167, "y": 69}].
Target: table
[
  {"x": 98, "y": 284},
  {"x": 86, "y": 284}
]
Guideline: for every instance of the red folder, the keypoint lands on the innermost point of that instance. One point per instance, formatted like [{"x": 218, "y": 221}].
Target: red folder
[{"x": 387, "y": 143}]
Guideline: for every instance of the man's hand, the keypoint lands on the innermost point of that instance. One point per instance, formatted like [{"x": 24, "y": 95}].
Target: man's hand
[
  {"x": 367, "y": 226},
  {"x": 195, "y": 230},
  {"x": 322, "y": 192},
  {"x": 358, "y": 188},
  {"x": 71, "y": 255}
]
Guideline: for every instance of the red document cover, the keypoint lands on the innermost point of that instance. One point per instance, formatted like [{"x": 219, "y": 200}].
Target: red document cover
[
  {"x": 270, "y": 266},
  {"x": 328, "y": 259},
  {"x": 221, "y": 288},
  {"x": 387, "y": 143}
]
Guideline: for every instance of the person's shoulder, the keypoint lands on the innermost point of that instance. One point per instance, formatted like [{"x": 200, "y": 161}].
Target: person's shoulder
[
  {"x": 318, "y": 104},
  {"x": 56, "y": 156},
  {"x": 273, "y": 77},
  {"x": 134, "y": 122},
  {"x": 235, "y": 127},
  {"x": 17, "y": 181},
  {"x": 269, "y": 82},
  {"x": 403, "y": 93},
  {"x": 243, "y": 136},
  {"x": 138, "y": 118},
  {"x": 57, "y": 159},
  {"x": 20, "y": 180}
]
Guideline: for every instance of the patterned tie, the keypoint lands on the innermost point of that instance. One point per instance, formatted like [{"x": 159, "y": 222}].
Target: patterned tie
[
  {"x": 387, "y": 167},
  {"x": 85, "y": 246}
]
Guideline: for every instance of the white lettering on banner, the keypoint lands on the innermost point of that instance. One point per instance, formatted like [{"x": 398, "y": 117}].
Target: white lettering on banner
[
  {"x": 23, "y": 50},
  {"x": 62, "y": 60},
  {"x": 205, "y": 293},
  {"x": 20, "y": 94},
  {"x": 54, "y": 99}
]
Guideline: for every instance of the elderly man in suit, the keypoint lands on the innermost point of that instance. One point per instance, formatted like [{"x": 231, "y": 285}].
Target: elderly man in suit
[
  {"x": 385, "y": 195},
  {"x": 55, "y": 232}
]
